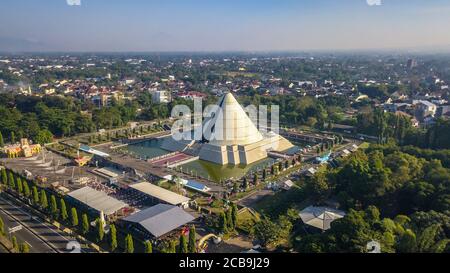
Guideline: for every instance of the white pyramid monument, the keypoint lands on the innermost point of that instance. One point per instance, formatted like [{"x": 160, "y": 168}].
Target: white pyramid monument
[{"x": 234, "y": 138}]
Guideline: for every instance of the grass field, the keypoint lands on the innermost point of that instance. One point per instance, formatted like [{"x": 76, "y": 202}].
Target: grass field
[
  {"x": 246, "y": 219},
  {"x": 277, "y": 204}
]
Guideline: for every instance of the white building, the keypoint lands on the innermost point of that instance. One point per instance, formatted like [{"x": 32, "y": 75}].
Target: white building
[
  {"x": 161, "y": 96},
  {"x": 230, "y": 137}
]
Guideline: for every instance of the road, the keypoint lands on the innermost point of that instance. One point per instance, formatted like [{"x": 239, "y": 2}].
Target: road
[
  {"x": 40, "y": 236},
  {"x": 23, "y": 235}
]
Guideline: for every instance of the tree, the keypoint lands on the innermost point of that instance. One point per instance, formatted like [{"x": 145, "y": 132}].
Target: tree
[
  {"x": 53, "y": 207},
  {"x": 2, "y": 227},
  {"x": 74, "y": 217},
  {"x": 43, "y": 137},
  {"x": 129, "y": 247},
  {"x": 230, "y": 224},
  {"x": 15, "y": 243},
  {"x": 43, "y": 199},
  {"x": 234, "y": 214},
  {"x": 172, "y": 246},
  {"x": 317, "y": 186},
  {"x": 19, "y": 185},
  {"x": 26, "y": 189},
  {"x": 100, "y": 229},
  {"x": 245, "y": 183},
  {"x": 63, "y": 210},
  {"x": 427, "y": 238},
  {"x": 407, "y": 242},
  {"x": 85, "y": 224},
  {"x": 112, "y": 237},
  {"x": 223, "y": 223},
  {"x": 11, "y": 183},
  {"x": 2, "y": 143},
  {"x": 267, "y": 232},
  {"x": 192, "y": 248},
  {"x": 35, "y": 195},
  {"x": 4, "y": 177},
  {"x": 182, "y": 246},
  {"x": 24, "y": 248},
  {"x": 148, "y": 247},
  {"x": 12, "y": 137},
  {"x": 255, "y": 179}
]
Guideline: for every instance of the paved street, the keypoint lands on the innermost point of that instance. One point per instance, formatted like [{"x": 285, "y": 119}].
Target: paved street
[
  {"x": 23, "y": 235},
  {"x": 41, "y": 236}
]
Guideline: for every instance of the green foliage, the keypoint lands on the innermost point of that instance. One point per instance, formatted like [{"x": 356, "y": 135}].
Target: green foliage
[
  {"x": 4, "y": 177},
  {"x": 234, "y": 214},
  {"x": 100, "y": 229},
  {"x": 74, "y": 217},
  {"x": 19, "y": 185},
  {"x": 229, "y": 217},
  {"x": 53, "y": 207},
  {"x": 12, "y": 137},
  {"x": 172, "y": 247},
  {"x": 112, "y": 237},
  {"x": 15, "y": 243},
  {"x": 129, "y": 245},
  {"x": 407, "y": 242},
  {"x": 85, "y": 224},
  {"x": 318, "y": 187},
  {"x": 36, "y": 199},
  {"x": 354, "y": 231},
  {"x": 148, "y": 247},
  {"x": 427, "y": 238},
  {"x": 223, "y": 223},
  {"x": 24, "y": 248},
  {"x": 2, "y": 227},
  {"x": 63, "y": 210},
  {"x": 11, "y": 183},
  {"x": 43, "y": 137},
  {"x": 255, "y": 179},
  {"x": 2, "y": 143},
  {"x": 192, "y": 245},
  {"x": 43, "y": 199},
  {"x": 26, "y": 189},
  {"x": 267, "y": 232},
  {"x": 245, "y": 183},
  {"x": 182, "y": 245}
]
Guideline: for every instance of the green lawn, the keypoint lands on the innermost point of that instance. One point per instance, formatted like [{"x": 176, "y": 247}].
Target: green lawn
[
  {"x": 364, "y": 145},
  {"x": 246, "y": 220},
  {"x": 277, "y": 204}
]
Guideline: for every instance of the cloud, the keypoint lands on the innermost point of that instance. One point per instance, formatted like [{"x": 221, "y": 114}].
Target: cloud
[
  {"x": 73, "y": 2},
  {"x": 374, "y": 2}
]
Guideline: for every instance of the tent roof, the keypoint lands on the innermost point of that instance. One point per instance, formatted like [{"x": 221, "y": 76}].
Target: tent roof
[
  {"x": 320, "y": 217},
  {"x": 98, "y": 200},
  {"x": 160, "y": 219},
  {"x": 160, "y": 193}
]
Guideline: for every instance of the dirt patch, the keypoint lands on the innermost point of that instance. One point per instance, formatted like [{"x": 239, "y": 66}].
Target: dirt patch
[{"x": 234, "y": 245}]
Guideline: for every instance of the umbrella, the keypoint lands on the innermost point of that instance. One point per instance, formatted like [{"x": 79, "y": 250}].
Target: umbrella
[{"x": 320, "y": 217}]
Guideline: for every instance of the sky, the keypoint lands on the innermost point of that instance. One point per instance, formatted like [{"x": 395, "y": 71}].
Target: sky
[{"x": 223, "y": 25}]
